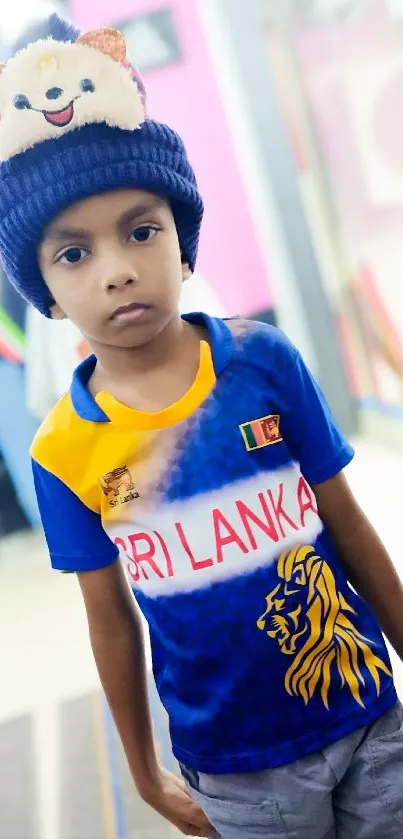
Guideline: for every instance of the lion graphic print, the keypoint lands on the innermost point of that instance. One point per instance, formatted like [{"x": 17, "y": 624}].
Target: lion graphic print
[{"x": 312, "y": 622}]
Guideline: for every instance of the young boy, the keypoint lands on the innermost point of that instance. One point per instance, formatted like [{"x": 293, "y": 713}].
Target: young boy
[{"x": 203, "y": 453}]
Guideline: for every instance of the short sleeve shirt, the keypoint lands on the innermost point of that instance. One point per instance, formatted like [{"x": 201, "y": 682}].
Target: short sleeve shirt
[{"x": 262, "y": 652}]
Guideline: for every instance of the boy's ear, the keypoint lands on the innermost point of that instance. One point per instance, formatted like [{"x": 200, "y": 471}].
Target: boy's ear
[
  {"x": 186, "y": 272},
  {"x": 107, "y": 40},
  {"x": 57, "y": 313}
]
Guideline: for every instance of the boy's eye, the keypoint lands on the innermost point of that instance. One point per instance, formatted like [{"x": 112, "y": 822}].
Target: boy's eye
[
  {"x": 143, "y": 234},
  {"x": 73, "y": 255}
]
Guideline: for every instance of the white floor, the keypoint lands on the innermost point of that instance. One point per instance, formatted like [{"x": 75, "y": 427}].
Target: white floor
[{"x": 46, "y": 657}]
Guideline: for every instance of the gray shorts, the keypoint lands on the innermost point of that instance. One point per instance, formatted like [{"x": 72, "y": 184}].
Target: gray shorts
[{"x": 351, "y": 790}]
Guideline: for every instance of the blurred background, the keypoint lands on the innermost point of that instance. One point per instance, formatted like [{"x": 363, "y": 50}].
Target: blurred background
[{"x": 292, "y": 113}]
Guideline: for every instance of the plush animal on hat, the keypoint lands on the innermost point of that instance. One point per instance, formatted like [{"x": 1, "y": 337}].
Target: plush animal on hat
[{"x": 55, "y": 86}]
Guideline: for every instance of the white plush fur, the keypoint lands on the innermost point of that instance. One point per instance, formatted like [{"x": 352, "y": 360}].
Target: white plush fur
[{"x": 47, "y": 64}]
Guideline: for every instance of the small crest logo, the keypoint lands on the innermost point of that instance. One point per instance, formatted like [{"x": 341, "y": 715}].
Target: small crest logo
[
  {"x": 119, "y": 484},
  {"x": 261, "y": 432}
]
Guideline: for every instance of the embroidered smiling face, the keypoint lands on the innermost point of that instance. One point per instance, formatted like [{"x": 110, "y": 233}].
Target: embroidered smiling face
[
  {"x": 53, "y": 87},
  {"x": 61, "y": 116}
]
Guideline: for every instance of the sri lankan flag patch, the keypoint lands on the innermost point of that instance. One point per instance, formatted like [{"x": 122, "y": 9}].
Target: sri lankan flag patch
[{"x": 261, "y": 432}]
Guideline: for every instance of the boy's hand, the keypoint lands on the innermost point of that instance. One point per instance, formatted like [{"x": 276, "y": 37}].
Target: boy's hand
[{"x": 170, "y": 797}]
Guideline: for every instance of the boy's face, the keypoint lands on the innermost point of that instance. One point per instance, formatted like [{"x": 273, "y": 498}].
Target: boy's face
[{"x": 113, "y": 265}]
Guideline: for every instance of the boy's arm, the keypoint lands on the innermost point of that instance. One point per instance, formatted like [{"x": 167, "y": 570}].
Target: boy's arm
[
  {"x": 117, "y": 641},
  {"x": 116, "y": 636},
  {"x": 364, "y": 557},
  {"x": 77, "y": 543},
  {"x": 318, "y": 446}
]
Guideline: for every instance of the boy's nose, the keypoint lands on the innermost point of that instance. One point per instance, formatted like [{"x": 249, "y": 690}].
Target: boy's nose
[
  {"x": 118, "y": 282},
  {"x": 115, "y": 265},
  {"x": 53, "y": 93}
]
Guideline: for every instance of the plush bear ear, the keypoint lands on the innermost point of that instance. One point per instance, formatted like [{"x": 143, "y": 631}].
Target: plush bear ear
[{"x": 109, "y": 41}]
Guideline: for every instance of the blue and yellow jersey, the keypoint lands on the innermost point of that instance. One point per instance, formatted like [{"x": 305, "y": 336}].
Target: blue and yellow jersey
[{"x": 262, "y": 652}]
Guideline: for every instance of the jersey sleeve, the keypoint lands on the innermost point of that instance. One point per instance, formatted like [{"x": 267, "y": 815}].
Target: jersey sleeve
[
  {"x": 74, "y": 533},
  {"x": 313, "y": 436}
]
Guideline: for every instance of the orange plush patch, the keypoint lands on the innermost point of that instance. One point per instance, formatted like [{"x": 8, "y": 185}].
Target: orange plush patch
[{"x": 107, "y": 40}]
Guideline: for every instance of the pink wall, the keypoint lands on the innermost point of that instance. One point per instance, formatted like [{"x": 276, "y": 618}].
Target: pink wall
[
  {"x": 186, "y": 97},
  {"x": 329, "y": 55},
  {"x": 353, "y": 79}
]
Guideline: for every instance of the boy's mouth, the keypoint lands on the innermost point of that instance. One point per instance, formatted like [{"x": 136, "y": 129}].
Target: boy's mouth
[
  {"x": 60, "y": 118},
  {"x": 129, "y": 312}
]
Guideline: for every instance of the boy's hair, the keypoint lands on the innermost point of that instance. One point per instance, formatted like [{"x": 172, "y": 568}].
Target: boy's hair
[{"x": 73, "y": 125}]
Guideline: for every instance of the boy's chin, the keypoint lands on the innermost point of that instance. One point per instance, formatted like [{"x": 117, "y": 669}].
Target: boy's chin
[
  {"x": 129, "y": 337},
  {"x": 131, "y": 330}
]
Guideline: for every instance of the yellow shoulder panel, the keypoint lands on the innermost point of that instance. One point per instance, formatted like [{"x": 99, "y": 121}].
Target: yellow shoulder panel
[
  {"x": 63, "y": 446},
  {"x": 80, "y": 452}
]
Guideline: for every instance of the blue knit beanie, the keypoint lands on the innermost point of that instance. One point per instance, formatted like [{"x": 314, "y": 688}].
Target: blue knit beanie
[{"x": 72, "y": 125}]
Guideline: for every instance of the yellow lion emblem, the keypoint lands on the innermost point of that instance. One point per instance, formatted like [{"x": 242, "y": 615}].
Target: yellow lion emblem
[{"x": 306, "y": 608}]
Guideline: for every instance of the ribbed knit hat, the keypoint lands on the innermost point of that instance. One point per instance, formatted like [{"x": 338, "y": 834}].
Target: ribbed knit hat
[{"x": 72, "y": 125}]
